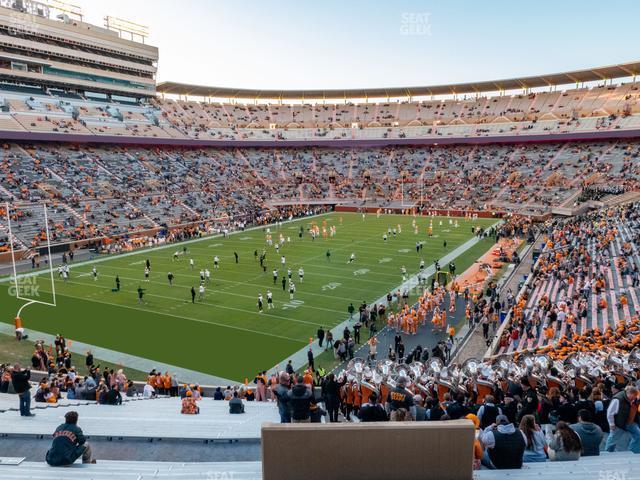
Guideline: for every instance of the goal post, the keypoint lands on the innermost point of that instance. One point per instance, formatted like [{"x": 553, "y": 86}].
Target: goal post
[{"x": 36, "y": 286}]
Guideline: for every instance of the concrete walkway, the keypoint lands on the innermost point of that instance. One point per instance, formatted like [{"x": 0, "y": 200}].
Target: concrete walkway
[
  {"x": 300, "y": 358},
  {"x": 128, "y": 361}
]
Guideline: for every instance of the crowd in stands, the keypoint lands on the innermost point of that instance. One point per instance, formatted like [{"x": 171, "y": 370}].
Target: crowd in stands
[
  {"x": 584, "y": 290},
  {"x": 126, "y": 192},
  {"x": 215, "y": 120},
  {"x": 603, "y": 107},
  {"x": 66, "y": 381}
]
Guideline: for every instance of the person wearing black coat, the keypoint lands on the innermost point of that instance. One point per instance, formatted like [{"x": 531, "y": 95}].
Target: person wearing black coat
[
  {"x": 529, "y": 399},
  {"x": 331, "y": 396},
  {"x": 310, "y": 360},
  {"x": 88, "y": 361},
  {"x": 372, "y": 411},
  {"x": 20, "y": 380},
  {"x": 300, "y": 400},
  {"x": 458, "y": 409},
  {"x": 113, "y": 396}
]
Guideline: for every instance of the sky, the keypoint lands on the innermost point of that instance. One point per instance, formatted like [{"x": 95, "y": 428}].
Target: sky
[{"x": 287, "y": 44}]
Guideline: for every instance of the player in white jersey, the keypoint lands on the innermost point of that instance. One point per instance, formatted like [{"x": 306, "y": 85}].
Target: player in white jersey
[
  {"x": 94, "y": 272},
  {"x": 201, "y": 276},
  {"x": 292, "y": 290},
  {"x": 146, "y": 274},
  {"x": 283, "y": 260},
  {"x": 216, "y": 262},
  {"x": 352, "y": 258},
  {"x": 191, "y": 263},
  {"x": 201, "y": 292},
  {"x": 301, "y": 274},
  {"x": 260, "y": 303},
  {"x": 275, "y": 276},
  {"x": 207, "y": 276},
  {"x": 270, "y": 300}
]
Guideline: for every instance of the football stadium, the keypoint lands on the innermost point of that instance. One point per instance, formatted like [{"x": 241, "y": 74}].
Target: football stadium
[{"x": 316, "y": 270}]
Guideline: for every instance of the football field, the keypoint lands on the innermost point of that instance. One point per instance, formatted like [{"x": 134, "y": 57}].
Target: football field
[{"x": 224, "y": 334}]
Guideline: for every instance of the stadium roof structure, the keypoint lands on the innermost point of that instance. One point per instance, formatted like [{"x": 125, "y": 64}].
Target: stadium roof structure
[{"x": 622, "y": 70}]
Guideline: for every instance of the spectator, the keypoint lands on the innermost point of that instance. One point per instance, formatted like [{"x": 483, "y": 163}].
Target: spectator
[
  {"x": 113, "y": 396},
  {"x": 20, "y": 380},
  {"x": 235, "y": 404},
  {"x": 250, "y": 396},
  {"x": 565, "y": 444},
  {"x": 529, "y": 399},
  {"x": 132, "y": 391},
  {"x": 458, "y": 409},
  {"x": 372, "y": 411},
  {"x": 421, "y": 412},
  {"x": 331, "y": 396},
  {"x": 590, "y": 434},
  {"x": 300, "y": 400},
  {"x": 5, "y": 378},
  {"x": 535, "y": 441},
  {"x": 217, "y": 394},
  {"x": 400, "y": 415},
  {"x": 69, "y": 444},
  {"x": 399, "y": 397},
  {"x": 504, "y": 444},
  {"x": 316, "y": 413},
  {"x": 622, "y": 416},
  {"x": 189, "y": 405},
  {"x": 148, "y": 391},
  {"x": 281, "y": 392},
  {"x": 478, "y": 451},
  {"x": 488, "y": 412}
]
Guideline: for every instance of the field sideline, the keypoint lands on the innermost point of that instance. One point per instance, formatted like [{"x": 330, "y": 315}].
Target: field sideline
[{"x": 224, "y": 334}]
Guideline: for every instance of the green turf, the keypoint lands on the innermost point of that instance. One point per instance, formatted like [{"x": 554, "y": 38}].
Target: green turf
[{"x": 225, "y": 335}]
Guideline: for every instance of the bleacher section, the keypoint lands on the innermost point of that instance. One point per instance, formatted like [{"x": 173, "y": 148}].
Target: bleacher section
[
  {"x": 147, "y": 419},
  {"x": 108, "y": 470},
  {"x": 99, "y": 191},
  {"x": 619, "y": 465},
  {"x": 600, "y": 108},
  {"x": 598, "y": 295}
]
